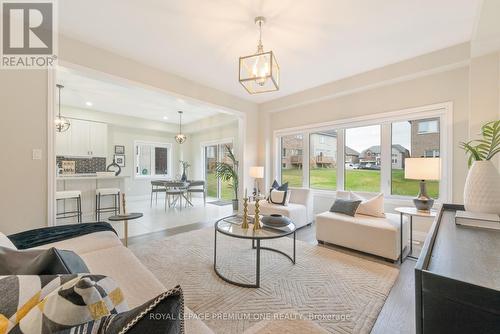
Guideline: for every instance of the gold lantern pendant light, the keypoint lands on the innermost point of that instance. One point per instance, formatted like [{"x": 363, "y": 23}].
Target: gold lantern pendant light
[
  {"x": 180, "y": 137},
  {"x": 259, "y": 72},
  {"x": 61, "y": 123}
]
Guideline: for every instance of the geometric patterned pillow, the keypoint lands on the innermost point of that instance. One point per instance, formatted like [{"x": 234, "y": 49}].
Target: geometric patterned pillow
[
  {"x": 163, "y": 314},
  {"x": 75, "y": 300},
  {"x": 23, "y": 292}
]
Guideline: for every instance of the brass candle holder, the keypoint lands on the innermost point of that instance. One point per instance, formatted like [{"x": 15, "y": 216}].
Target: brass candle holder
[
  {"x": 256, "y": 223},
  {"x": 244, "y": 224}
]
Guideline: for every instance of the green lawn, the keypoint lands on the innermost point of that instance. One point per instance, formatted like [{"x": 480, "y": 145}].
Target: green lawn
[
  {"x": 358, "y": 179},
  {"x": 227, "y": 193}
]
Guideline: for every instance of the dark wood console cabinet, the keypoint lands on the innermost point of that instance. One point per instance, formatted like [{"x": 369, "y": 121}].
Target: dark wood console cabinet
[{"x": 457, "y": 278}]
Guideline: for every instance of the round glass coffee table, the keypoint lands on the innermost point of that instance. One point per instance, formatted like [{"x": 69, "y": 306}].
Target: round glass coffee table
[{"x": 229, "y": 226}]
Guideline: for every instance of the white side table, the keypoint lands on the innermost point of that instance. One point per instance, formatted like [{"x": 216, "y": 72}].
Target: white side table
[{"x": 411, "y": 212}]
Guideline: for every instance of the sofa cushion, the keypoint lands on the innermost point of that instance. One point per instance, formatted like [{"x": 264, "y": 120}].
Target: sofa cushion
[
  {"x": 371, "y": 206},
  {"x": 5, "y": 242},
  {"x": 137, "y": 283},
  {"x": 50, "y": 261},
  {"x": 163, "y": 314},
  {"x": 86, "y": 243},
  {"x": 278, "y": 197},
  {"x": 21, "y": 293},
  {"x": 277, "y": 186},
  {"x": 345, "y": 206},
  {"x": 46, "y": 304},
  {"x": 83, "y": 299}
]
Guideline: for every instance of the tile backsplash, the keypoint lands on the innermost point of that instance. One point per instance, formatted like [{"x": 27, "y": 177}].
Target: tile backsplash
[{"x": 84, "y": 165}]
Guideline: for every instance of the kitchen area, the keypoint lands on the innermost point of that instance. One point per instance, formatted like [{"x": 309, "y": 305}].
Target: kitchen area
[
  {"x": 113, "y": 139},
  {"x": 83, "y": 165}
]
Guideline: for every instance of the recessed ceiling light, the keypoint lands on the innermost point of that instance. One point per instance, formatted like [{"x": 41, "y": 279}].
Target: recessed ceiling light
[
  {"x": 165, "y": 118},
  {"x": 89, "y": 104}
]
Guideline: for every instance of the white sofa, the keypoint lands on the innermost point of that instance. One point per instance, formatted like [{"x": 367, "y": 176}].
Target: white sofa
[
  {"x": 104, "y": 254},
  {"x": 299, "y": 208},
  {"x": 373, "y": 235}
]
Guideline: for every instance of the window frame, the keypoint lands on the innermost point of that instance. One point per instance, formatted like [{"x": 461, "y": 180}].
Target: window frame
[
  {"x": 321, "y": 135},
  {"x": 443, "y": 111},
  {"x": 428, "y": 132},
  {"x": 153, "y": 174}
]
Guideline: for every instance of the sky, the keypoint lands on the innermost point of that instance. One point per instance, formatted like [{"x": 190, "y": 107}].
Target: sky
[{"x": 362, "y": 138}]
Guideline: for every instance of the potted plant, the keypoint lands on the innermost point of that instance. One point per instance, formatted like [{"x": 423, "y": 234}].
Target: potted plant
[
  {"x": 185, "y": 165},
  {"x": 228, "y": 172},
  {"x": 482, "y": 186}
]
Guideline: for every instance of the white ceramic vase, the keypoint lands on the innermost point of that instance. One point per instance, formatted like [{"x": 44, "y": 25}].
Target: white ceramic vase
[{"x": 482, "y": 188}]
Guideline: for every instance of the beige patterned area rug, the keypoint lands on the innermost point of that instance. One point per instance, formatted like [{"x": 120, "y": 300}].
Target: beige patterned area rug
[{"x": 342, "y": 293}]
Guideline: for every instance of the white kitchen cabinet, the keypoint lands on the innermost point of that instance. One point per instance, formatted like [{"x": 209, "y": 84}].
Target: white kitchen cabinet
[
  {"x": 63, "y": 142},
  {"x": 83, "y": 139},
  {"x": 99, "y": 139},
  {"x": 80, "y": 138}
]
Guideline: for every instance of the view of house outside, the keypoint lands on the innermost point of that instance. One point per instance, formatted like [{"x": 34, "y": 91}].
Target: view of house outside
[{"x": 419, "y": 138}]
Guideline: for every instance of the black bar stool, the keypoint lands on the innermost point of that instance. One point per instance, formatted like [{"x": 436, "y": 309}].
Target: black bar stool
[
  {"x": 103, "y": 192},
  {"x": 70, "y": 195}
]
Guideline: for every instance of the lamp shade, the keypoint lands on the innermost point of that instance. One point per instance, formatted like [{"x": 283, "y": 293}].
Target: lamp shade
[
  {"x": 423, "y": 168},
  {"x": 257, "y": 172}
]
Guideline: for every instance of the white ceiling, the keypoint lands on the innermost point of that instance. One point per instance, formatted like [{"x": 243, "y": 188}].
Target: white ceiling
[
  {"x": 128, "y": 100},
  {"x": 315, "y": 42}
]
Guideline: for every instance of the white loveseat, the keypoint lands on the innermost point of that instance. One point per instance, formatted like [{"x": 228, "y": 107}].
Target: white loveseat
[
  {"x": 299, "y": 208},
  {"x": 373, "y": 235}
]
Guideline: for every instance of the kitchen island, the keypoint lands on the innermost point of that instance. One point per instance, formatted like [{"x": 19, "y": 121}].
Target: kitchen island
[{"x": 87, "y": 184}]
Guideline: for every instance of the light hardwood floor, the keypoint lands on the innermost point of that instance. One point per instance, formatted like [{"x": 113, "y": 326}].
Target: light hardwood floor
[{"x": 397, "y": 315}]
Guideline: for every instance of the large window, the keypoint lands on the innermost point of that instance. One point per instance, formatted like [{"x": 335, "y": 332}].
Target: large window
[
  {"x": 323, "y": 160},
  {"x": 362, "y": 158},
  {"x": 152, "y": 159},
  {"x": 292, "y": 159},
  {"x": 415, "y": 139},
  {"x": 369, "y": 154}
]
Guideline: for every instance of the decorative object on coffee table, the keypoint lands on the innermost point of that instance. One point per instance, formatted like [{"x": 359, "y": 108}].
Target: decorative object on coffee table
[
  {"x": 423, "y": 169},
  {"x": 244, "y": 223},
  {"x": 256, "y": 223},
  {"x": 482, "y": 186},
  {"x": 276, "y": 220}
]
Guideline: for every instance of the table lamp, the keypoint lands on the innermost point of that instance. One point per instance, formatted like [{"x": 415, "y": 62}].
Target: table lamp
[
  {"x": 423, "y": 169},
  {"x": 257, "y": 172}
]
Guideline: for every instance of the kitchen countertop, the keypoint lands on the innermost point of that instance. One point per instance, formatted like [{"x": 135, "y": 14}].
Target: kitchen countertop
[{"x": 87, "y": 177}]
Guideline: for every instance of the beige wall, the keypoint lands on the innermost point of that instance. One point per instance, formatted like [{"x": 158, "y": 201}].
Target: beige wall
[
  {"x": 24, "y": 125},
  {"x": 23, "y": 189},
  {"x": 436, "y": 88}
]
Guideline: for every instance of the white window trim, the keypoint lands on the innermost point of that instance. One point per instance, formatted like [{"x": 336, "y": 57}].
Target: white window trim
[
  {"x": 442, "y": 110},
  {"x": 203, "y": 145},
  {"x": 153, "y": 172}
]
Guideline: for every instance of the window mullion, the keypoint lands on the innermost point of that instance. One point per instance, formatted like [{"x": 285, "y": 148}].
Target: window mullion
[
  {"x": 340, "y": 159},
  {"x": 305, "y": 160},
  {"x": 385, "y": 159}
]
